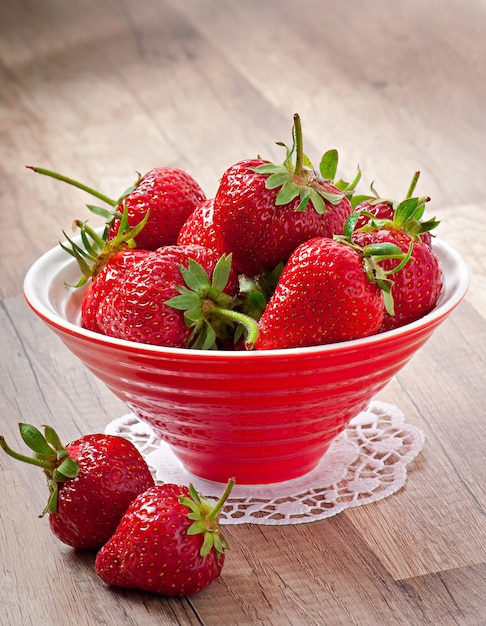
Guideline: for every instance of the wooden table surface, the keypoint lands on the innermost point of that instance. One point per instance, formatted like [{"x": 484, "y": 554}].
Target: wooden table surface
[{"x": 101, "y": 89}]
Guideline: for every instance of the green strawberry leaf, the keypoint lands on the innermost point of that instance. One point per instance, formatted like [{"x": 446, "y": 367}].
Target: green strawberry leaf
[
  {"x": 358, "y": 199},
  {"x": 221, "y": 274},
  {"x": 329, "y": 164},
  {"x": 385, "y": 249},
  {"x": 350, "y": 224},
  {"x": 268, "y": 168},
  {"x": 69, "y": 468},
  {"x": 205, "y": 516},
  {"x": 278, "y": 179},
  {"x": 35, "y": 440},
  {"x": 195, "y": 277},
  {"x": 186, "y": 301},
  {"x": 288, "y": 192},
  {"x": 405, "y": 211},
  {"x": 106, "y": 214},
  {"x": 318, "y": 203},
  {"x": 330, "y": 196},
  {"x": 304, "y": 196}
]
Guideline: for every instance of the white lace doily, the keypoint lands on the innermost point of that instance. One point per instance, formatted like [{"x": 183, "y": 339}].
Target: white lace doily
[{"x": 367, "y": 462}]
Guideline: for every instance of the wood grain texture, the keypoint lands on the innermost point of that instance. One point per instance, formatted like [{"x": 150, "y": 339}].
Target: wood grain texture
[{"x": 103, "y": 89}]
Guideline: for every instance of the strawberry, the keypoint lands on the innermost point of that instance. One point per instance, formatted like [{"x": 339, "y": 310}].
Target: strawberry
[
  {"x": 152, "y": 305},
  {"x": 406, "y": 215},
  {"x": 104, "y": 262},
  {"x": 329, "y": 291},
  {"x": 168, "y": 542},
  {"x": 263, "y": 211},
  {"x": 166, "y": 196},
  {"x": 199, "y": 227},
  {"x": 170, "y": 195},
  {"x": 417, "y": 285},
  {"x": 110, "y": 274},
  {"x": 91, "y": 482}
]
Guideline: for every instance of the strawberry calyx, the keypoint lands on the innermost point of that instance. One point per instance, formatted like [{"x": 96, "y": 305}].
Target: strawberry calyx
[
  {"x": 50, "y": 455},
  {"x": 95, "y": 250},
  {"x": 208, "y": 310},
  {"x": 300, "y": 180},
  {"x": 373, "y": 255},
  {"x": 407, "y": 214},
  {"x": 205, "y": 516}
]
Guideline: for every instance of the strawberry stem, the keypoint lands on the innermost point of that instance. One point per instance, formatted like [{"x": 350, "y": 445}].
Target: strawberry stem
[
  {"x": 21, "y": 457},
  {"x": 412, "y": 186},
  {"x": 299, "y": 145},
  {"x": 220, "y": 503},
  {"x": 74, "y": 183},
  {"x": 241, "y": 318}
]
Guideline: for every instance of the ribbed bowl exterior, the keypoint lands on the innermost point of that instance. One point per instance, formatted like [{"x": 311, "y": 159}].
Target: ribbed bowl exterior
[{"x": 260, "y": 417}]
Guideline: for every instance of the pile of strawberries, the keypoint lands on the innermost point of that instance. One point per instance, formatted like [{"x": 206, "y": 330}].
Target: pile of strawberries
[
  {"x": 283, "y": 256},
  {"x": 159, "y": 538}
]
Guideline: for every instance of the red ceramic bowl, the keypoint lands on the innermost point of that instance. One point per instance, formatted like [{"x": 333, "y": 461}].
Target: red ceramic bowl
[{"x": 260, "y": 417}]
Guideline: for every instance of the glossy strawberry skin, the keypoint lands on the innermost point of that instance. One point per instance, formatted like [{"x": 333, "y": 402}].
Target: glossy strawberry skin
[
  {"x": 171, "y": 195},
  {"x": 260, "y": 234},
  {"x": 135, "y": 308},
  {"x": 112, "y": 473},
  {"x": 152, "y": 551},
  {"x": 417, "y": 286},
  {"x": 323, "y": 296},
  {"x": 199, "y": 227},
  {"x": 97, "y": 290}
]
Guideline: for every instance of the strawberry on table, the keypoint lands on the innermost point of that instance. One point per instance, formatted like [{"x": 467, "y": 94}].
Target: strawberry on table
[
  {"x": 168, "y": 542},
  {"x": 91, "y": 482},
  {"x": 263, "y": 211}
]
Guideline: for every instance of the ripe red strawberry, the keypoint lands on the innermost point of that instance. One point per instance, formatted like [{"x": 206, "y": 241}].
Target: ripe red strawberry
[
  {"x": 168, "y": 542},
  {"x": 417, "y": 285},
  {"x": 326, "y": 294},
  {"x": 91, "y": 482},
  {"x": 152, "y": 305},
  {"x": 98, "y": 289},
  {"x": 166, "y": 196},
  {"x": 103, "y": 262},
  {"x": 263, "y": 211},
  {"x": 199, "y": 228},
  {"x": 170, "y": 195}
]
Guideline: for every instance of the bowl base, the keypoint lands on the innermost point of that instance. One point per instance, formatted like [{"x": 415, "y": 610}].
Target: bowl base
[{"x": 366, "y": 463}]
